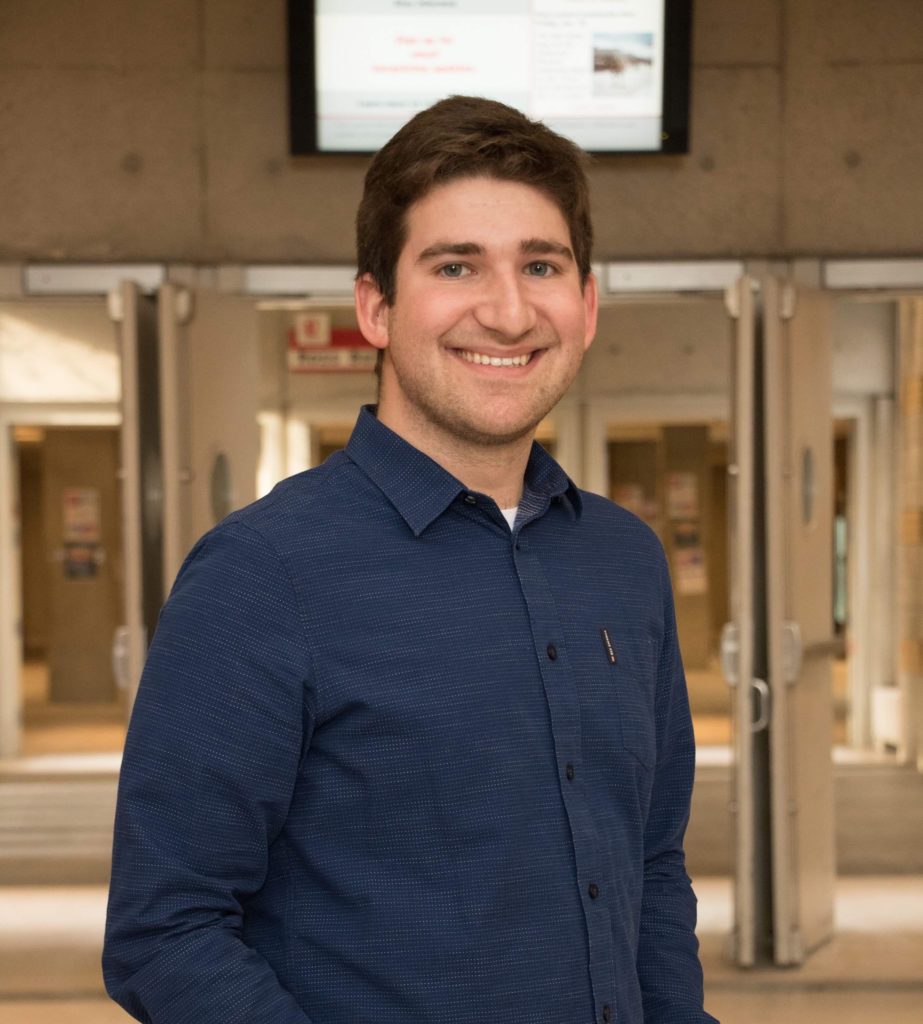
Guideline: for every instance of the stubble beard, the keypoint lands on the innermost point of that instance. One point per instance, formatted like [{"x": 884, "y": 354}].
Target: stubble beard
[{"x": 450, "y": 416}]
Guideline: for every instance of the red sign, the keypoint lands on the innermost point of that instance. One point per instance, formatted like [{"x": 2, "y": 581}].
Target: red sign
[{"x": 316, "y": 347}]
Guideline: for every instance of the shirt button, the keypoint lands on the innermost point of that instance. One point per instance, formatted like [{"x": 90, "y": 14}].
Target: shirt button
[
  {"x": 607, "y": 1013},
  {"x": 593, "y": 890},
  {"x": 569, "y": 772},
  {"x": 552, "y": 652},
  {"x": 470, "y": 499}
]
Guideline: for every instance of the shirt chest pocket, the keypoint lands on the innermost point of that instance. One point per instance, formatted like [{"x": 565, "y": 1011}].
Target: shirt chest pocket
[{"x": 621, "y": 683}]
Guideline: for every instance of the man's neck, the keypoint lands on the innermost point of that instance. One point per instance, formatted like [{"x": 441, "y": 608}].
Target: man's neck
[
  {"x": 497, "y": 473},
  {"x": 496, "y": 470}
]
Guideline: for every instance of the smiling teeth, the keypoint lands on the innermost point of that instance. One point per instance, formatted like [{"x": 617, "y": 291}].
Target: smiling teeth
[{"x": 483, "y": 360}]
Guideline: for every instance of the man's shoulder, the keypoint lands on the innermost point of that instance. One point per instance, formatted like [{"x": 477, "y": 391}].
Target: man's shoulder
[
  {"x": 307, "y": 493},
  {"x": 294, "y": 531},
  {"x": 306, "y": 505}
]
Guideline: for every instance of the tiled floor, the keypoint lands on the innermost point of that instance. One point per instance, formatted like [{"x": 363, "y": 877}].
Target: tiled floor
[
  {"x": 66, "y": 728},
  {"x": 62, "y": 1011},
  {"x": 871, "y": 973},
  {"x": 795, "y": 1007}
]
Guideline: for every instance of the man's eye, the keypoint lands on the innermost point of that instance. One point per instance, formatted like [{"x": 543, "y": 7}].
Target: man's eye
[
  {"x": 539, "y": 269},
  {"x": 453, "y": 270}
]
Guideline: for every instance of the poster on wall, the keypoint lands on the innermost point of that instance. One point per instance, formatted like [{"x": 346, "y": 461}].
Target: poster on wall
[
  {"x": 81, "y": 517},
  {"x": 81, "y": 532},
  {"x": 81, "y": 561},
  {"x": 682, "y": 495},
  {"x": 690, "y": 575}
]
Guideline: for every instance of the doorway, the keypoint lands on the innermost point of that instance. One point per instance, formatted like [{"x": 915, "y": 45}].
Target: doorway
[
  {"x": 72, "y": 582},
  {"x": 674, "y": 477}
]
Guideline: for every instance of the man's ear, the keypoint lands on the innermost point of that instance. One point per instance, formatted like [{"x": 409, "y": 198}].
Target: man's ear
[{"x": 371, "y": 311}]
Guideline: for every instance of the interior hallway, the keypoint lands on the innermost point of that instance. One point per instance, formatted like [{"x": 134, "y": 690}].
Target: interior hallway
[{"x": 50, "y": 938}]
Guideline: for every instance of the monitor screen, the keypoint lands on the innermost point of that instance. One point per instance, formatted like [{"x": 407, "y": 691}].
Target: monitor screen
[{"x": 613, "y": 75}]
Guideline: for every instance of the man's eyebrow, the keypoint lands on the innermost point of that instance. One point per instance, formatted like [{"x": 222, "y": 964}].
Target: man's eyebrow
[
  {"x": 545, "y": 247},
  {"x": 432, "y": 252},
  {"x": 529, "y": 247}
]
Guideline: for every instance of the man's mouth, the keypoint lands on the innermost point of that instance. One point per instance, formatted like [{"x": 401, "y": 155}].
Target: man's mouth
[{"x": 482, "y": 359}]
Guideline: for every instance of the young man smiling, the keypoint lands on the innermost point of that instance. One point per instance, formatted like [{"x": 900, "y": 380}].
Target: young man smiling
[
  {"x": 486, "y": 331},
  {"x": 413, "y": 742}
]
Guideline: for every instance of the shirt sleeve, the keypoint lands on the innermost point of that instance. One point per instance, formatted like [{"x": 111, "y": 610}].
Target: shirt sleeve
[
  {"x": 219, "y": 726},
  {"x": 669, "y": 971}
]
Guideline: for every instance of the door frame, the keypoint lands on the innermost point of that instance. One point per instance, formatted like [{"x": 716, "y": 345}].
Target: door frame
[{"x": 32, "y": 414}]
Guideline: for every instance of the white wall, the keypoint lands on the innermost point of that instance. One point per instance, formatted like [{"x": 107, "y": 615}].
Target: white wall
[{"x": 58, "y": 351}]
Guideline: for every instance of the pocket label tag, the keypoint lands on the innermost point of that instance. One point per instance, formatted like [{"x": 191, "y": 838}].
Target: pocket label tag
[{"x": 607, "y": 643}]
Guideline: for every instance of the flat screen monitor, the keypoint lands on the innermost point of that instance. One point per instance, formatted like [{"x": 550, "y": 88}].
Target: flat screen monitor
[{"x": 613, "y": 75}]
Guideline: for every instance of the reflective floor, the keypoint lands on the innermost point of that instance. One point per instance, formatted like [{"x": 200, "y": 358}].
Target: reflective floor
[
  {"x": 66, "y": 728},
  {"x": 871, "y": 972}
]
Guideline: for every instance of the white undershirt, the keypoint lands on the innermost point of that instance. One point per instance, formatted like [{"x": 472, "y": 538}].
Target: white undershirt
[{"x": 509, "y": 514}]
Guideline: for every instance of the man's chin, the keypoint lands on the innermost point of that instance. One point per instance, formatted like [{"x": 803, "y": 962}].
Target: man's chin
[{"x": 499, "y": 434}]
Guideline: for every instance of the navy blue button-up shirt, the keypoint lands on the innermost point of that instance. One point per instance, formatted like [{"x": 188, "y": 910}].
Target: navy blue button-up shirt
[{"x": 393, "y": 762}]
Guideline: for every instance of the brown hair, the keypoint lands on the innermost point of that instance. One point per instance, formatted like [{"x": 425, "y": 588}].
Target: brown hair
[{"x": 463, "y": 137}]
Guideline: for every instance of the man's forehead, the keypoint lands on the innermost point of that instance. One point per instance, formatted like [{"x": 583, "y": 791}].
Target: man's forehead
[{"x": 473, "y": 215}]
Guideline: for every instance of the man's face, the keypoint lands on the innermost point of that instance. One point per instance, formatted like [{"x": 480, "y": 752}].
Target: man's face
[{"x": 490, "y": 321}]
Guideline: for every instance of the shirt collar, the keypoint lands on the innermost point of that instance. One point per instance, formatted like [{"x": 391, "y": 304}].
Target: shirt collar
[{"x": 421, "y": 490}]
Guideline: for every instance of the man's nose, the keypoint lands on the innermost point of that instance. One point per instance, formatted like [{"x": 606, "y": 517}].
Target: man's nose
[{"x": 504, "y": 306}]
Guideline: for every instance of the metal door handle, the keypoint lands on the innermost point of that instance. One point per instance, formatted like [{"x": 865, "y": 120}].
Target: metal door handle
[
  {"x": 730, "y": 653},
  {"x": 792, "y": 651},
  {"x": 120, "y": 657},
  {"x": 762, "y": 719}
]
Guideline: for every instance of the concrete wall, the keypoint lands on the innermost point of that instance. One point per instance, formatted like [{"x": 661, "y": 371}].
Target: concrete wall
[{"x": 156, "y": 129}]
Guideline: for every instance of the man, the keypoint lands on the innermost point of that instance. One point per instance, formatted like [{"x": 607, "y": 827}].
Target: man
[{"x": 413, "y": 741}]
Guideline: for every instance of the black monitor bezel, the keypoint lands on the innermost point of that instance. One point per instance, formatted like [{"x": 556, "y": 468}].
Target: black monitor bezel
[{"x": 302, "y": 89}]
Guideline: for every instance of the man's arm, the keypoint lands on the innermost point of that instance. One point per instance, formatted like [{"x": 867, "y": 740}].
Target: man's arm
[
  {"x": 213, "y": 748},
  {"x": 668, "y": 962}
]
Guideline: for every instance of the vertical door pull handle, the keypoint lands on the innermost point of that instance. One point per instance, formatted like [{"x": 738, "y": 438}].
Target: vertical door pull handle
[
  {"x": 792, "y": 651},
  {"x": 762, "y": 704},
  {"x": 730, "y": 653}
]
